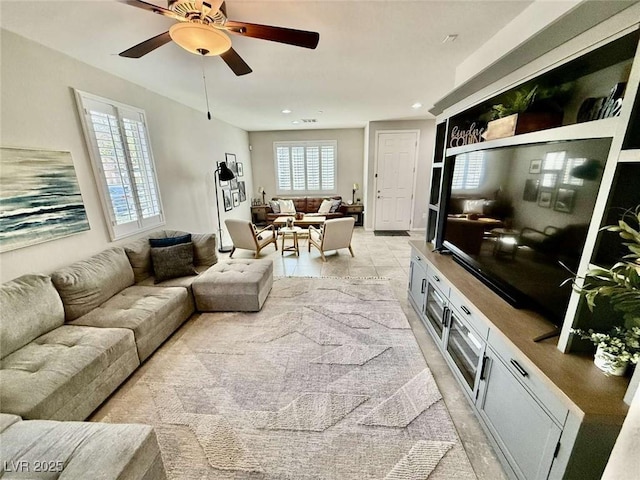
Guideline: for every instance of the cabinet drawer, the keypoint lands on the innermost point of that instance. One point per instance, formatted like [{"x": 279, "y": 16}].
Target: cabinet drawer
[
  {"x": 438, "y": 280},
  {"x": 524, "y": 371},
  {"x": 416, "y": 258},
  {"x": 467, "y": 311}
]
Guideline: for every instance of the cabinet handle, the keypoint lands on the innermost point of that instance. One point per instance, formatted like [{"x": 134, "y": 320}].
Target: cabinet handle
[
  {"x": 446, "y": 314},
  {"x": 424, "y": 285},
  {"x": 483, "y": 368},
  {"x": 436, "y": 278},
  {"x": 519, "y": 368},
  {"x": 410, "y": 276},
  {"x": 465, "y": 310}
]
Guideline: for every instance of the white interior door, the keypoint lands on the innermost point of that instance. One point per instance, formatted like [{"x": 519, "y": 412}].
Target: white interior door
[{"x": 396, "y": 159}]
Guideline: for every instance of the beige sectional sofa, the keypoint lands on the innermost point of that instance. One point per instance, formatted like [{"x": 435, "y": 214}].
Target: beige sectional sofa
[{"x": 68, "y": 340}]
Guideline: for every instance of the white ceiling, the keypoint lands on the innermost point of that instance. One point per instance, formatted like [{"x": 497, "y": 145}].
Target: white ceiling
[{"x": 374, "y": 60}]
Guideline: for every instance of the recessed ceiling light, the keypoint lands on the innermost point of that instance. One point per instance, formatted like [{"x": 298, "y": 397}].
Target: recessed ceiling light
[
  {"x": 286, "y": 110},
  {"x": 416, "y": 105},
  {"x": 450, "y": 38},
  {"x": 320, "y": 111},
  {"x": 295, "y": 122}
]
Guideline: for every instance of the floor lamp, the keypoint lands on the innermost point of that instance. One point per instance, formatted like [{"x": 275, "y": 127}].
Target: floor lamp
[{"x": 221, "y": 174}]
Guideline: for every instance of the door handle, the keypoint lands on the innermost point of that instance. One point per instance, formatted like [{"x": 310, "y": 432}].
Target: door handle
[{"x": 519, "y": 368}]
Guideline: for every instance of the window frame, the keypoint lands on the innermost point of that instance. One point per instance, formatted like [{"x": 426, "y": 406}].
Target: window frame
[
  {"x": 120, "y": 111},
  {"x": 305, "y": 144},
  {"x": 465, "y": 175}
]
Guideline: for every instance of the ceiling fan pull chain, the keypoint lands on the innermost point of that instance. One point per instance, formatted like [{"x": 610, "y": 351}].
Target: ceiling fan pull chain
[{"x": 206, "y": 95}]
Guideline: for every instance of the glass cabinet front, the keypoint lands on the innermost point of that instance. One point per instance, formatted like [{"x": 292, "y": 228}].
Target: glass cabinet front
[
  {"x": 435, "y": 310},
  {"x": 465, "y": 349}
]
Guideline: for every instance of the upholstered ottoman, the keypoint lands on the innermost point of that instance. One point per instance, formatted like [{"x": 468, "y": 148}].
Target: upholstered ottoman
[{"x": 236, "y": 285}]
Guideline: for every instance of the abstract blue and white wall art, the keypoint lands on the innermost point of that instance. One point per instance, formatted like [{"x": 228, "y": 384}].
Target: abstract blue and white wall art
[{"x": 40, "y": 197}]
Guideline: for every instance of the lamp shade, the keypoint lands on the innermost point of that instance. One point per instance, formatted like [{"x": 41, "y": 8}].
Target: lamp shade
[
  {"x": 200, "y": 39},
  {"x": 224, "y": 173},
  {"x": 356, "y": 186}
]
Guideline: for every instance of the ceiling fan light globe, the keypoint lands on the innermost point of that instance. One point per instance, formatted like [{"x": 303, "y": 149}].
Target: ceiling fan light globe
[{"x": 198, "y": 38}]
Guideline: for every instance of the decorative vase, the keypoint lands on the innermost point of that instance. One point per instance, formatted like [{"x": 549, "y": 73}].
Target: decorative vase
[
  {"x": 289, "y": 222},
  {"x": 606, "y": 362}
]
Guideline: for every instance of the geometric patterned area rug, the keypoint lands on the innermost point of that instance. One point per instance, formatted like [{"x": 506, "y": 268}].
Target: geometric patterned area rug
[{"x": 326, "y": 382}]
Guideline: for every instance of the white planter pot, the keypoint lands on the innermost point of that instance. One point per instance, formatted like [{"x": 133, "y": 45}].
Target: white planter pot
[{"x": 607, "y": 363}]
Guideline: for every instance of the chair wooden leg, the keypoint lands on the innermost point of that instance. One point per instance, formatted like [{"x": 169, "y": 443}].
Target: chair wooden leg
[
  {"x": 233, "y": 249},
  {"x": 351, "y": 251}
]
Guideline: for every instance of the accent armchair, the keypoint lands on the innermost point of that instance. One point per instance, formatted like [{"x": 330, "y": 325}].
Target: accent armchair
[
  {"x": 333, "y": 235},
  {"x": 245, "y": 235}
]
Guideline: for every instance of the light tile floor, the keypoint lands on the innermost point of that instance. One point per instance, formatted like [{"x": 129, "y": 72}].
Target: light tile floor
[{"x": 389, "y": 257}]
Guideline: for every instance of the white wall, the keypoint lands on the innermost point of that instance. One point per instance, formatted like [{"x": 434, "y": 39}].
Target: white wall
[
  {"x": 427, "y": 130},
  {"x": 39, "y": 111},
  {"x": 350, "y": 157}
]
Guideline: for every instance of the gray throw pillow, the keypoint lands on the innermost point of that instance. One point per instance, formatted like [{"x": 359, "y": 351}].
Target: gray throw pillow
[
  {"x": 335, "y": 205},
  {"x": 275, "y": 206},
  {"x": 172, "y": 262}
]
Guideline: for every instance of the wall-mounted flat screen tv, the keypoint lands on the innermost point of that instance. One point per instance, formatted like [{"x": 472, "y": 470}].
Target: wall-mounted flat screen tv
[{"x": 517, "y": 217}]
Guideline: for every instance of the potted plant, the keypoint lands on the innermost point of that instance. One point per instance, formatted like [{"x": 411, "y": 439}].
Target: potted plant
[
  {"x": 527, "y": 109},
  {"x": 615, "y": 350},
  {"x": 620, "y": 285}
]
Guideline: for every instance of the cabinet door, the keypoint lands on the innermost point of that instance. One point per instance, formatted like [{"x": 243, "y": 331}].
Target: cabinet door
[
  {"x": 417, "y": 283},
  {"x": 436, "y": 312},
  {"x": 464, "y": 348},
  {"x": 524, "y": 432}
]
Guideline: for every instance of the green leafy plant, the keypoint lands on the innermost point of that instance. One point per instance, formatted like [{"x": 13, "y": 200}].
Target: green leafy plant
[
  {"x": 622, "y": 343},
  {"x": 531, "y": 98},
  {"x": 620, "y": 283}
]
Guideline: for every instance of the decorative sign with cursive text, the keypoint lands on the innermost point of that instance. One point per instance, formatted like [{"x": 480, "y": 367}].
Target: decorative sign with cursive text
[{"x": 460, "y": 137}]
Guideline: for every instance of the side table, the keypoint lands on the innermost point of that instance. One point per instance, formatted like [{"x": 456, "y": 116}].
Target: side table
[
  {"x": 506, "y": 241},
  {"x": 259, "y": 214},
  {"x": 356, "y": 211},
  {"x": 293, "y": 232}
]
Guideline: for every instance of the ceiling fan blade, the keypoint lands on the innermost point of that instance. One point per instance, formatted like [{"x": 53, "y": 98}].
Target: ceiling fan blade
[
  {"x": 235, "y": 62},
  {"x": 223, "y": 8},
  {"x": 152, "y": 8},
  {"x": 147, "y": 46},
  {"x": 299, "y": 38}
]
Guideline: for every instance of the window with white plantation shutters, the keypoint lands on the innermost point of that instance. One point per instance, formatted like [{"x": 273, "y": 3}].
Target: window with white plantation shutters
[
  {"x": 119, "y": 147},
  {"x": 469, "y": 171},
  {"x": 305, "y": 167}
]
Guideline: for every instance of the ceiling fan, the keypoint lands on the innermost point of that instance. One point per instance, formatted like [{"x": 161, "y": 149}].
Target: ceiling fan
[{"x": 202, "y": 29}]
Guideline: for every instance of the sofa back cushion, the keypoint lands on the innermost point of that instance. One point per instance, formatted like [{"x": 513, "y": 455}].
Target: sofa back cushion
[
  {"x": 29, "y": 307},
  {"x": 139, "y": 251},
  {"x": 89, "y": 283}
]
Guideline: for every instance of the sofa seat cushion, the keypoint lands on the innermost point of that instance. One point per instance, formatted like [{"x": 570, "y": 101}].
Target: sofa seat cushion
[
  {"x": 88, "y": 283},
  {"x": 142, "y": 310},
  {"x": 29, "y": 307},
  {"x": 59, "y": 374},
  {"x": 81, "y": 450}
]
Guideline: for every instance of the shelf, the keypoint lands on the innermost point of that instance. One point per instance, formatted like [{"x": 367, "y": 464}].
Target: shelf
[
  {"x": 577, "y": 131},
  {"x": 629, "y": 156}
]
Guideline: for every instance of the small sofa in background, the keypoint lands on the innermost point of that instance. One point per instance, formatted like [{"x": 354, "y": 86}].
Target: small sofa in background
[
  {"x": 69, "y": 339},
  {"x": 306, "y": 205}
]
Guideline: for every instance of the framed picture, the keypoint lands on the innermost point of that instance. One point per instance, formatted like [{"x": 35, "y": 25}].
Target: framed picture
[
  {"x": 220, "y": 182},
  {"x": 565, "y": 200},
  {"x": 230, "y": 158},
  {"x": 549, "y": 180},
  {"x": 240, "y": 168},
  {"x": 228, "y": 202},
  {"x": 236, "y": 198},
  {"x": 242, "y": 191},
  {"x": 544, "y": 200},
  {"x": 234, "y": 183},
  {"x": 535, "y": 166},
  {"x": 531, "y": 188},
  {"x": 40, "y": 197}
]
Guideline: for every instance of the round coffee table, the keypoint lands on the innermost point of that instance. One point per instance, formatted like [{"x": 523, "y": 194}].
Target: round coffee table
[{"x": 293, "y": 232}]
